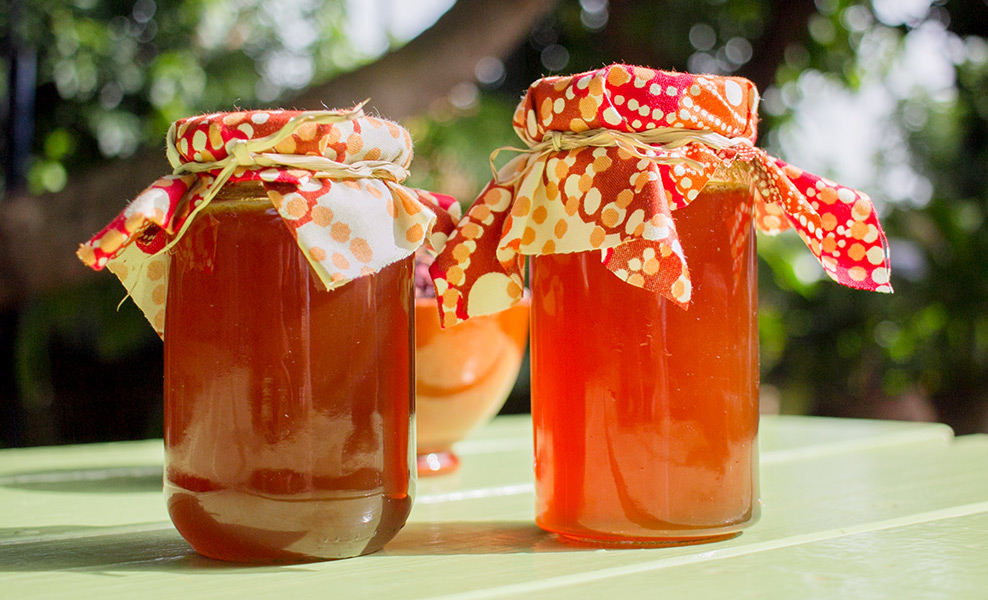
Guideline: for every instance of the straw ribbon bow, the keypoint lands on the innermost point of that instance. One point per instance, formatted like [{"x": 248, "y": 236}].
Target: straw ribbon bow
[{"x": 650, "y": 145}]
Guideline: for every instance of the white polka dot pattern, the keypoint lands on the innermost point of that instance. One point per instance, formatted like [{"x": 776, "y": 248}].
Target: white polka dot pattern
[{"x": 346, "y": 228}]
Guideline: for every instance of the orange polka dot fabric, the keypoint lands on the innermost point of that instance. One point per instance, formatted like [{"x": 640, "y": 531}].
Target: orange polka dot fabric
[
  {"x": 621, "y": 199},
  {"x": 346, "y": 227}
]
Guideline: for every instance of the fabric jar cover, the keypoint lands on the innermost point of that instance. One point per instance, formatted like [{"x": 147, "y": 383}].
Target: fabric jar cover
[
  {"x": 333, "y": 176},
  {"x": 611, "y": 154}
]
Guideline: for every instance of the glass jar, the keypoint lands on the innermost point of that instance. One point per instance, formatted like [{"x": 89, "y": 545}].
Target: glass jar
[
  {"x": 288, "y": 408},
  {"x": 646, "y": 414},
  {"x": 644, "y": 367}
]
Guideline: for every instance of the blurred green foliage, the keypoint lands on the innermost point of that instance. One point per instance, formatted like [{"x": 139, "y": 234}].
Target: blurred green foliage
[
  {"x": 117, "y": 72},
  {"x": 453, "y": 145},
  {"x": 836, "y": 351},
  {"x": 113, "y": 74}
]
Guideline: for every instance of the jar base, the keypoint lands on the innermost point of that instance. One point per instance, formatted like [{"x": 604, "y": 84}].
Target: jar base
[
  {"x": 585, "y": 536},
  {"x": 437, "y": 463},
  {"x": 600, "y": 542},
  {"x": 246, "y": 527}
]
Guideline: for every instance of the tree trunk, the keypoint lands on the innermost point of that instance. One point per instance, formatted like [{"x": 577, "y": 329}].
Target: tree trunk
[
  {"x": 39, "y": 234},
  {"x": 785, "y": 26},
  {"x": 408, "y": 81}
]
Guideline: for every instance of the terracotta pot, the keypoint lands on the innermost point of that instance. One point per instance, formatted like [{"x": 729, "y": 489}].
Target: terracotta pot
[{"x": 463, "y": 375}]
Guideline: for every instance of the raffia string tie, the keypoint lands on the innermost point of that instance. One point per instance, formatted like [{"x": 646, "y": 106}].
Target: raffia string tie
[{"x": 648, "y": 145}]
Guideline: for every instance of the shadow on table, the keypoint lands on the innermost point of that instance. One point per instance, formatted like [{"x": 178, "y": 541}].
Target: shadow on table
[
  {"x": 108, "y": 480},
  {"x": 88, "y": 547},
  {"x": 473, "y": 537},
  {"x": 158, "y": 547}
]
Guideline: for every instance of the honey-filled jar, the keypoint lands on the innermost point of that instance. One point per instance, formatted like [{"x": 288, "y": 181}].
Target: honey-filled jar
[
  {"x": 636, "y": 199},
  {"x": 277, "y": 265}
]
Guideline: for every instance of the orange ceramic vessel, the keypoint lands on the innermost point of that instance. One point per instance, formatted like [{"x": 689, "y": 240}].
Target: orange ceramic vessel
[{"x": 463, "y": 376}]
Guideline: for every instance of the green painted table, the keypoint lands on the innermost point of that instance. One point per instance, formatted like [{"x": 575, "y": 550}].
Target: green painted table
[{"x": 853, "y": 509}]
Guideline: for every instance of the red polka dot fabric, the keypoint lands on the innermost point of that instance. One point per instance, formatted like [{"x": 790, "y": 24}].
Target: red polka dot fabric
[
  {"x": 347, "y": 227},
  {"x": 665, "y": 135}
]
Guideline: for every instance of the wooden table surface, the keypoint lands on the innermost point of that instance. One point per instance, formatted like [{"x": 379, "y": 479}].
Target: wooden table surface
[{"x": 853, "y": 509}]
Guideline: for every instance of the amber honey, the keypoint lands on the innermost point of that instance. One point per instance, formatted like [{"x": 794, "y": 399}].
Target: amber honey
[
  {"x": 288, "y": 408},
  {"x": 645, "y": 414}
]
